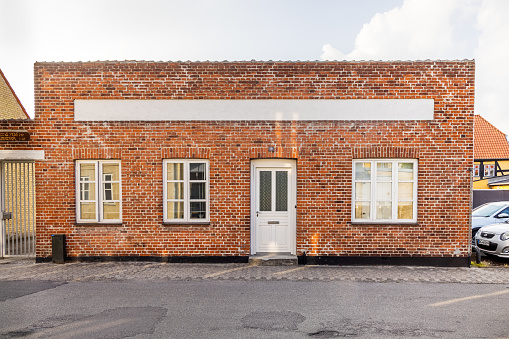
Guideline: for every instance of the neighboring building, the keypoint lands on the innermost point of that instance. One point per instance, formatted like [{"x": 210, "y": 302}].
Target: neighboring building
[
  {"x": 10, "y": 106},
  {"x": 491, "y": 156},
  {"x": 491, "y": 163},
  {"x": 17, "y": 186},
  {"x": 335, "y": 162}
]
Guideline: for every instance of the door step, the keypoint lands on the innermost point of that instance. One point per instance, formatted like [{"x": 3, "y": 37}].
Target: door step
[{"x": 273, "y": 259}]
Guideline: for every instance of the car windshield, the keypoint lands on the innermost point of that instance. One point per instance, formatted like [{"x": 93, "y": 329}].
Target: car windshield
[{"x": 486, "y": 210}]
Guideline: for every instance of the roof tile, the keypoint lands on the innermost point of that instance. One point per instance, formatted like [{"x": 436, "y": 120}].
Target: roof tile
[{"x": 489, "y": 141}]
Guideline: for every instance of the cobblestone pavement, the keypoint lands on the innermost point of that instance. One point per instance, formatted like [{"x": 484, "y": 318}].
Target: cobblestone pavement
[{"x": 118, "y": 271}]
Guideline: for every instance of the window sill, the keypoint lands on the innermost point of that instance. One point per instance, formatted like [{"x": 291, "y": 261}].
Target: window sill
[
  {"x": 185, "y": 223},
  {"x": 384, "y": 223},
  {"x": 98, "y": 224}
]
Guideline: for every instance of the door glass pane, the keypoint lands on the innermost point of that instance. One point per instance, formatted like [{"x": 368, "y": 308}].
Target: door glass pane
[
  {"x": 362, "y": 190},
  {"x": 175, "y": 171},
  {"x": 405, "y": 190},
  {"x": 362, "y": 210},
  {"x": 196, "y": 171},
  {"x": 281, "y": 191},
  {"x": 405, "y": 210},
  {"x": 383, "y": 191},
  {"x": 405, "y": 171},
  {"x": 384, "y": 171},
  {"x": 384, "y": 210},
  {"x": 265, "y": 191},
  {"x": 363, "y": 171},
  {"x": 175, "y": 209},
  {"x": 110, "y": 172},
  {"x": 197, "y": 190},
  {"x": 87, "y": 210},
  {"x": 111, "y": 210},
  {"x": 198, "y": 210},
  {"x": 175, "y": 190}
]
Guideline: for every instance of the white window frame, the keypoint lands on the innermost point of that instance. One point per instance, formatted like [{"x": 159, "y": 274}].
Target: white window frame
[
  {"x": 100, "y": 193},
  {"x": 394, "y": 198},
  {"x": 489, "y": 170},
  {"x": 187, "y": 187},
  {"x": 476, "y": 170}
]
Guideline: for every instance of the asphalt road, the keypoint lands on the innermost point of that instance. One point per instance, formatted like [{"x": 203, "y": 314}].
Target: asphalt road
[{"x": 251, "y": 309}]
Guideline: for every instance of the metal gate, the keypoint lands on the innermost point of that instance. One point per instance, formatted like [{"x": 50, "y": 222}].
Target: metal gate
[{"x": 18, "y": 209}]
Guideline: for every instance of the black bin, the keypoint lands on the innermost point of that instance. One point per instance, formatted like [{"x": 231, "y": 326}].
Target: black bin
[{"x": 58, "y": 248}]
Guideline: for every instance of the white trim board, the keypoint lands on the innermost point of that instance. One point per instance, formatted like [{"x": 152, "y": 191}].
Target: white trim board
[
  {"x": 21, "y": 155},
  {"x": 257, "y": 110}
]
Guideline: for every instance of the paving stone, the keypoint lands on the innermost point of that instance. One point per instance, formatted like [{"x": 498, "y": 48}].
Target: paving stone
[{"x": 104, "y": 271}]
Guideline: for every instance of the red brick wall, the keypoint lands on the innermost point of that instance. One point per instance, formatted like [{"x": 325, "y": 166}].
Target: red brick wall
[{"x": 443, "y": 146}]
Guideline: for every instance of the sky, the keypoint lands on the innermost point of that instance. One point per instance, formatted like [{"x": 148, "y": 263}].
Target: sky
[{"x": 234, "y": 30}]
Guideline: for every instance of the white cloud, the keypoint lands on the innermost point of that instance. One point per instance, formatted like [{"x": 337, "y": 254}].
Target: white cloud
[
  {"x": 444, "y": 29},
  {"x": 491, "y": 54},
  {"x": 432, "y": 29},
  {"x": 331, "y": 53}
]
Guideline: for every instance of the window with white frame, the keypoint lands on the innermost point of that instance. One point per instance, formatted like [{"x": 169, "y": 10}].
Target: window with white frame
[
  {"x": 186, "y": 190},
  {"x": 384, "y": 190},
  {"x": 476, "y": 171},
  {"x": 489, "y": 170},
  {"x": 98, "y": 191}
]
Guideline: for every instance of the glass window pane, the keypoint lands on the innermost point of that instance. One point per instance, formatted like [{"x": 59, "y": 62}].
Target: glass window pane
[
  {"x": 384, "y": 171},
  {"x": 363, "y": 171},
  {"x": 107, "y": 189},
  {"x": 405, "y": 171},
  {"x": 111, "y": 191},
  {"x": 111, "y": 210},
  {"x": 362, "y": 190},
  {"x": 362, "y": 210},
  {"x": 384, "y": 210},
  {"x": 87, "y": 191},
  {"x": 175, "y": 171},
  {"x": 175, "y": 209},
  {"x": 405, "y": 210},
  {"x": 110, "y": 172},
  {"x": 265, "y": 191},
  {"x": 87, "y": 210},
  {"x": 196, "y": 171},
  {"x": 175, "y": 190},
  {"x": 405, "y": 191},
  {"x": 383, "y": 190},
  {"x": 198, "y": 190},
  {"x": 198, "y": 210},
  {"x": 87, "y": 172},
  {"x": 281, "y": 191}
]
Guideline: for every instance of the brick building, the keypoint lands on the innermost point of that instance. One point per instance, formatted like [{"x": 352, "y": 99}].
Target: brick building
[{"x": 334, "y": 162}]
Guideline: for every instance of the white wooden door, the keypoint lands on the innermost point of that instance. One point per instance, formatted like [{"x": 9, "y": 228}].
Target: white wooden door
[{"x": 274, "y": 209}]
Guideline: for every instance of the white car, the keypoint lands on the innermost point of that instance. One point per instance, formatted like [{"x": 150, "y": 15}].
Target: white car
[
  {"x": 490, "y": 213},
  {"x": 494, "y": 239}
]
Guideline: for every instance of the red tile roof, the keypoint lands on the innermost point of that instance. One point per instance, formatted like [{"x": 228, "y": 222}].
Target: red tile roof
[{"x": 489, "y": 141}]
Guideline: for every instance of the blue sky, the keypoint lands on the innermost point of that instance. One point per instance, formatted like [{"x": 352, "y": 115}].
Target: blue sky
[{"x": 58, "y": 30}]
